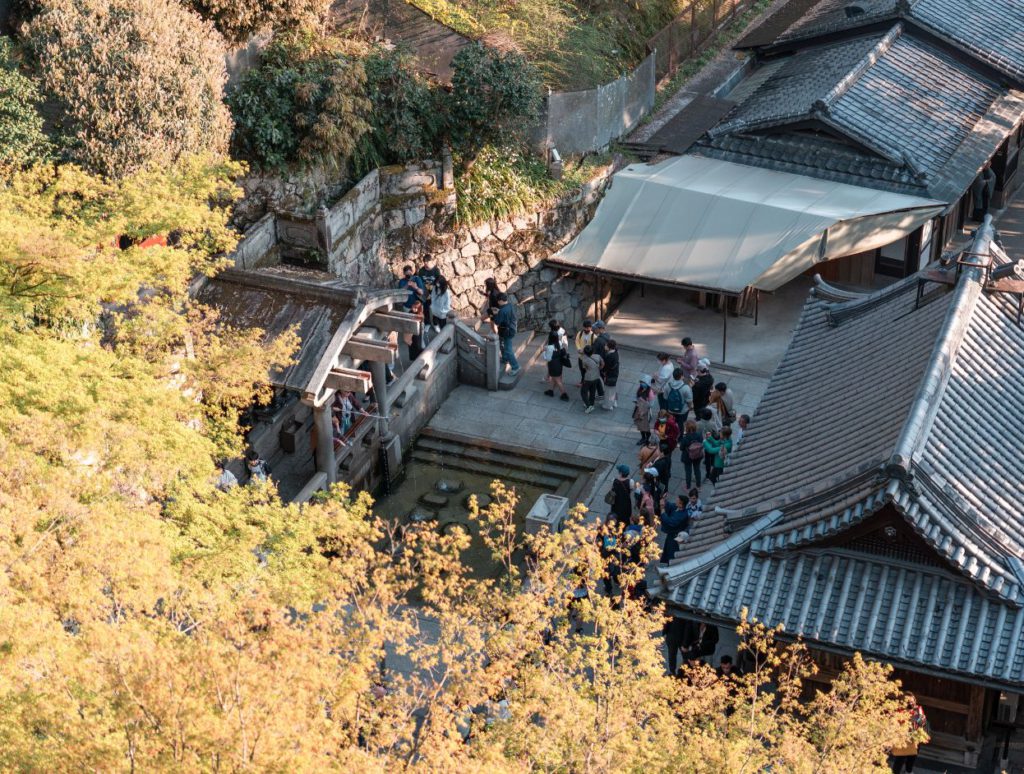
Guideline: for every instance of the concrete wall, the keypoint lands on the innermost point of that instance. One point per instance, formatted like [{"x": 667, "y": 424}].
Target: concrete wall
[{"x": 258, "y": 244}]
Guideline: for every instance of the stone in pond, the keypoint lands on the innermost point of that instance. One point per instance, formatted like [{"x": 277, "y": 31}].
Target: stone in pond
[
  {"x": 449, "y": 486},
  {"x": 450, "y": 526},
  {"x": 482, "y": 500},
  {"x": 434, "y": 500},
  {"x": 417, "y": 515}
]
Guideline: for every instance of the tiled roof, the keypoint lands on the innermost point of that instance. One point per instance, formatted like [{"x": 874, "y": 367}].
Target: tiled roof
[
  {"x": 258, "y": 300},
  {"x": 902, "y": 108},
  {"x": 880, "y": 408},
  {"x": 990, "y": 30}
]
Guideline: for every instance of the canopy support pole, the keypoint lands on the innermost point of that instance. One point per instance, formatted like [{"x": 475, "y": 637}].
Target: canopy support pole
[
  {"x": 757, "y": 303},
  {"x": 725, "y": 324}
]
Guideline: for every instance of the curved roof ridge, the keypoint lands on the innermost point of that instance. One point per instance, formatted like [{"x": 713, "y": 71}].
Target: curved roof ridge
[
  {"x": 826, "y": 292},
  {"x": 838, "y": 311},
  {"x": 866, "y": 63},
  {"x": 940, "y": 365}
]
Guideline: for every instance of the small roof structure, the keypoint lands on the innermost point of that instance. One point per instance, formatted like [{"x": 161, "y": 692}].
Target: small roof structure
[
  {"x": 875, "y": 502},
  {"x": 710, "y": 224},
  {"x": 323, "y": 314}
]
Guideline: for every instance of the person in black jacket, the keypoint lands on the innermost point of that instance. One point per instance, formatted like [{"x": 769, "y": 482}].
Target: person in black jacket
[
  {"x": 702, "y": 387},
  {"x": 701, "y": 641},
  {"x": 622, "y": 492},
  {"x": 611, "y": 376},
  {"x": 675, "y": 631}
]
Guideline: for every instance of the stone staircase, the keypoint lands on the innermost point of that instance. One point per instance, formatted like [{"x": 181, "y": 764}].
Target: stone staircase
[{"x": 562, "y": 475}]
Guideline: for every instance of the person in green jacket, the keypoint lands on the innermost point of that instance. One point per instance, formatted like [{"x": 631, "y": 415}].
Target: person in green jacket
[{"x": 721, "y": 449}]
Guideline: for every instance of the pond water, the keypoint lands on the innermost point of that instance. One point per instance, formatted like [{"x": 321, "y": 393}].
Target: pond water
[{"x": 415, "y": 495}]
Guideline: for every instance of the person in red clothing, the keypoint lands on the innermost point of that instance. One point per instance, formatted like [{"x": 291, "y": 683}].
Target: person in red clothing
[{"x": 667, "y": 429}]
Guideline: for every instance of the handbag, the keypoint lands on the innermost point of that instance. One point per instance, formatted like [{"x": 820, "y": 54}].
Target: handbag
[
  {"x": 566, "y": 360},
  {"x": 609, "y": 498}
]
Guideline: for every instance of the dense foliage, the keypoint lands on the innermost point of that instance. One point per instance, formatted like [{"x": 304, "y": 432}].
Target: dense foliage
[
  {"x": 494, "y": 100},
  {"x": 21, "y": 125},
  {"x": 239, "y": 20},
  {"x": 139, "y": 81},
  {"x": 305, "y": 103},
  {"x": 407, "y": 113}
]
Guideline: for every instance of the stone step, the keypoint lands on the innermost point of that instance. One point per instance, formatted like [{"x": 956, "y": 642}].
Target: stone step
[
  {"x": 554, "y": 467},
  {"x": 509, "y": 475},
  {"x": 482, "y": 450},
  {"x": 520, "y": 345}
]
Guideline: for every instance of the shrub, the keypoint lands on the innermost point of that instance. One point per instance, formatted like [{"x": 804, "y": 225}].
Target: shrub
[
  {"x": 406, "y": 114},
  {"x": 304, "y": 104},
  {"x": 239, "y": 20},
  {"x": 495, "y": 98},
  {"x": 21, "y": 126},
  {"x": 137, "y": 80}
]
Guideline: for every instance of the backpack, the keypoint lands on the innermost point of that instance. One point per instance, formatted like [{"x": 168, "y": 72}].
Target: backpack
[
  {"x": 695, "y": 450},
  {"x": 674, "y": 401}
]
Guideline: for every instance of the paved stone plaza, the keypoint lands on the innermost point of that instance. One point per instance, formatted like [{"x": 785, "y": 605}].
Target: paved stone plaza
[{"x": 527, "y": 417}]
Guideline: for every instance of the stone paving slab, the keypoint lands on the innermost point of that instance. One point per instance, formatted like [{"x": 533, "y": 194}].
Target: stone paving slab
[{"x": 527, "y": 417}]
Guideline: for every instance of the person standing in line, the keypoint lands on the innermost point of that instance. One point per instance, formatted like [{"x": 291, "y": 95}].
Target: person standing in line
[
  {"x": 642, "y": 409},
  {"x": 728, "y": 403},
  {"x": 718, "y": 408},
  {"x": 678, "y": 397},
  {"x": 691, "y": 442},
  {"x": 622, "y": 496},
  {"x": 694, "y": 506},
  {"x": 661, "y": 377},
  {"x": 675, "y": 521},
  {"x": 688, "y": 362},
  {"x": 611, "y": 375},
  {"x": 701, "y": 642},
  {"x": 491, "y": 292},
  {"x": 702, "y": 386},
  {"x": 440, "y": 304},
  {"x": 430, "y": 274},
  {"x": 584, "y": 338},
  {"x": 675, "y": 631},
  {"x": 664, "y": 465},
  {"x": 667, "y": 429},
  {"x": 556, "y": 353},
  {"x": 505, "y": 323},
  {"x": 414, "y": 285},
  {"x": 720, "y": 450},
  {"x": 608, "y": 548},
  {"x": 591, "y": 365},
  {"x": 600, "y": 346}
]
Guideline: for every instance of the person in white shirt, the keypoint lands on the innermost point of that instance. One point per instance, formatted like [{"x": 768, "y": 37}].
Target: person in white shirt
[
  {"x": 440, "y": 304},
  {"x": 740, "y": 429},
  {"x": 662, "y": 377}
]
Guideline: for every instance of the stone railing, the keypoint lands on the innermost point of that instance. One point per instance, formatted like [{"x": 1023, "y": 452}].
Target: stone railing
[{"x": 479, "y": 358}]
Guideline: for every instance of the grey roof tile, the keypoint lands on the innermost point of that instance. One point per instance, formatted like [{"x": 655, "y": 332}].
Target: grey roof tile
[{"x": 952, "y": 395}]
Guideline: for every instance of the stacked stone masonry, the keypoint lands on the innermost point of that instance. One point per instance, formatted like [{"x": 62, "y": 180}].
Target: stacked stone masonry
[{"x": 398, "y": 215}]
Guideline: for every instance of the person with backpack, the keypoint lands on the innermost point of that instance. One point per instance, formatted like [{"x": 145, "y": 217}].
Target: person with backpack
[
  {"x": 608, "y": 547},
  {"x": 728, "y": 403},
  {"x": 556, "y": 354},
  {"x": 678, "y": 397},
  {"x": 691, "y": 442},
  {"x": 720, "y": 450},
  {"x": 506, "y": 325},
  {"x": 256, "y": 467},
  {"x": 584, "y": 338}
]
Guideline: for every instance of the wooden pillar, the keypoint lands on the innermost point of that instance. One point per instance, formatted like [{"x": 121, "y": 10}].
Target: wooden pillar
[
  {"x": 380, "y": 388},
  {"x": 325, "y": 461}
]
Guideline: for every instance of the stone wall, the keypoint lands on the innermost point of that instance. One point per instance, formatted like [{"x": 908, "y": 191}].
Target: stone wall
[
  {"x": 258, "y": 247},
  {"x": 399, "y": 215},
  {"x": 512, "y": 251}
]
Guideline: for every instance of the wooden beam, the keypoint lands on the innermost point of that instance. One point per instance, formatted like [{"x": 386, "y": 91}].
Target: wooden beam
[
  {"x": 403, "y": 322},
  {"x": 349, "y": 379},
  {"x": 376, "y": 350}
]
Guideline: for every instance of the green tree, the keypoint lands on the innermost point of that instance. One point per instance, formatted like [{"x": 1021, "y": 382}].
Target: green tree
[
  {"x": 495, "y": 99},
  {"x": 305, "y": 104},
  {"x": 138, "y": 81},
  {"x": 239, "y": 20},
  {"x": 21, "y": 125},
  {"x": 405, "y": 118}
]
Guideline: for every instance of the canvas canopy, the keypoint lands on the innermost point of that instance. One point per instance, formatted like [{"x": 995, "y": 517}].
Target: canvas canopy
[{"x": 713, "y": 224}]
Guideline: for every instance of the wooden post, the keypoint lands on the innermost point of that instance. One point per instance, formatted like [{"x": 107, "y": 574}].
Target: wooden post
[
  {"x": 325, "y": 462},
  {"x": 380, "y": 390}
]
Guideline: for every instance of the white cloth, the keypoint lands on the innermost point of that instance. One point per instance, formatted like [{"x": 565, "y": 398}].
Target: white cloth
[{"x": 441, "y": 304}]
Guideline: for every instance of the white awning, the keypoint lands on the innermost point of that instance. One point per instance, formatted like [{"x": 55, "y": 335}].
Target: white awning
[{"x": 713, "y": 224}]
